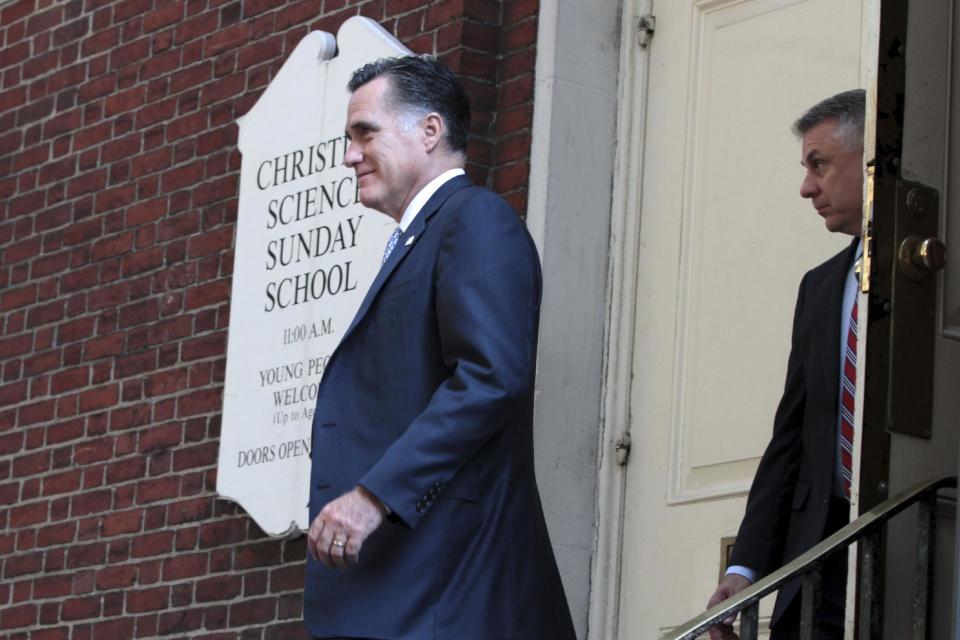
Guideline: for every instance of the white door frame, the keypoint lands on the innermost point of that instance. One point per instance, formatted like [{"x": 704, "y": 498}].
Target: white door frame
[
  {"x": 622, "y": 280},
  {"x": 574, "y": 137}
]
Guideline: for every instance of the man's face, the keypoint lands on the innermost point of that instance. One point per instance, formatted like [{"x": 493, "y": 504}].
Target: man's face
[
  {"x": 834, "y": 178},
  {"x": 386, "y": 151}
]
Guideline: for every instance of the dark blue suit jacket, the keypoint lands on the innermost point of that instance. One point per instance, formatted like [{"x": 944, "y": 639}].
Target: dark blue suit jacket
[{"x": 427, "y": 402}]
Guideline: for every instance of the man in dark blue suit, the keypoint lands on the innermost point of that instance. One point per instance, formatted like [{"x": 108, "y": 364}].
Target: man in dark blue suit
[{"x": 425, "y": 517}]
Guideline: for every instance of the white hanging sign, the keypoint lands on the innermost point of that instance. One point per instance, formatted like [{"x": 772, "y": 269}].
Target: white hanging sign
[{"x": 306, "y": 253}]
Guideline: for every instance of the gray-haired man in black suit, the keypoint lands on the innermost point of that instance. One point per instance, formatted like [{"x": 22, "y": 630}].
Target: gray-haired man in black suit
[{"x": 800, "y": 494}]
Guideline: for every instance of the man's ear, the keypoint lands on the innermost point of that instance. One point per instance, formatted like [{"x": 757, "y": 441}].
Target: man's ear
[{"x": 432, "y": 130}]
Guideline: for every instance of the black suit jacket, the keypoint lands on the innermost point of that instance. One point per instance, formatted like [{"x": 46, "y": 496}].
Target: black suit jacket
[
  {"x": 428, "y": 402},
  {"x": 790, "y": 498}
]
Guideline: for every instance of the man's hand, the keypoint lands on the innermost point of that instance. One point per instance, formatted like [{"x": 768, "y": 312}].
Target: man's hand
[
  {"x": 342, "y": 526},
  {"x": 731, "y": 585}
]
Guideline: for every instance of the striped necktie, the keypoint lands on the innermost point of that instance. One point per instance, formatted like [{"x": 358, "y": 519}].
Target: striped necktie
[
  {"x": 391, "y": 243},
  {"x": 848, "y": 391}
]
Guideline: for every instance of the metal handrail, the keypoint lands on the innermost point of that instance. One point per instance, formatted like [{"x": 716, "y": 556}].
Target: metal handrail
[{"x": 810, "y": 561}]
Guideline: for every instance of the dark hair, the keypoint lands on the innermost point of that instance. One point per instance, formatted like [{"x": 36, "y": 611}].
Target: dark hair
[
  {"x": 424, "y": 84},
  {"x": 847, "y": 108}
]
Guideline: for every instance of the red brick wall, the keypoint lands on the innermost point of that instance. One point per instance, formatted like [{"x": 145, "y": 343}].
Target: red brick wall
[{"x": 118, "y": 185}]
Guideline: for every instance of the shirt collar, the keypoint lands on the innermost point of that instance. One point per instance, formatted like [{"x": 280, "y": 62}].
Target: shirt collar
[
  {"x": 424, "y": 195},
  {"x": 857, "y": 260}
]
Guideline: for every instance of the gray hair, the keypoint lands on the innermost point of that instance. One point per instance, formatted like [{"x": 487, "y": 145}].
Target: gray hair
[
  {"x": 422, "y": 84},
  {"x": 847, "y": 108}
]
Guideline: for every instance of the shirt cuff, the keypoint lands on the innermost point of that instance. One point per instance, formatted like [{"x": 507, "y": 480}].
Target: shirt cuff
[{"x": 746, "y": 572}]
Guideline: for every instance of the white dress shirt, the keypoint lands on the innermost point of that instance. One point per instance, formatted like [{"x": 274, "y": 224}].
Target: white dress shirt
[{"x": 424, "y": 195}]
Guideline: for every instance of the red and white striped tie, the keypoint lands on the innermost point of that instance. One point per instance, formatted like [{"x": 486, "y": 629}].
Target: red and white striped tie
[{"x": 848, "y": 392}]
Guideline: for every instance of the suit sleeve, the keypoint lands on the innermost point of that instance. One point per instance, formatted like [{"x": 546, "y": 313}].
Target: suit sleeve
[
  {"x": 487, "y": 308},
  {"x": 763, "y": 531}
]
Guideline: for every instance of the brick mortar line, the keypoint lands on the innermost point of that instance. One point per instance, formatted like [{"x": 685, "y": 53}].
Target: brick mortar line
[
  {"x": 193, "y": 580},
  {"x": 55, "y": 277},
  {"x": 117, "y": 485},
  {"x": 138, "y": 430},
  {"x": 96, "y": 313},
  {"x": 212, "y": 359}
]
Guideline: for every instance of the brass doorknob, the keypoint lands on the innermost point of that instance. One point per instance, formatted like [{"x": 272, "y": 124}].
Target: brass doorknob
[{"x": 919, "y": 257}]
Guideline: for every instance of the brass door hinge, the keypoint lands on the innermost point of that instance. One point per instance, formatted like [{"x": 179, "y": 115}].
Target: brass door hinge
[
  {"x": 622, "y": 449},
  {"x": 646, "y": 25}
]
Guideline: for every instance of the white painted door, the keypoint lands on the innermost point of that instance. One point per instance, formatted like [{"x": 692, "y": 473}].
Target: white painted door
[{"x": 724, "y": 239}]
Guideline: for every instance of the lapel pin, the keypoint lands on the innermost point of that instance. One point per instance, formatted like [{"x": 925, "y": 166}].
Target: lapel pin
[{"x": 409, "y": 241}]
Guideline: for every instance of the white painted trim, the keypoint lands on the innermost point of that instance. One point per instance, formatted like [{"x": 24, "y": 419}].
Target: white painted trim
[
  {"x": 677, "y": 494},
  {"x": 604, "y": 617},
  {"x": 540, "y": 138},
  {"x": 945, "y": 326}
]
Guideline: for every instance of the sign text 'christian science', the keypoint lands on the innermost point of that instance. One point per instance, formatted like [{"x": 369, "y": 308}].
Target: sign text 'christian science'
[{"x": 321, "y": 238}]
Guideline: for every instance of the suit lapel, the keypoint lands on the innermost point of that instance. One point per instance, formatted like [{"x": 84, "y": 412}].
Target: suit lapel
[{"x": 406, "y": 242}]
